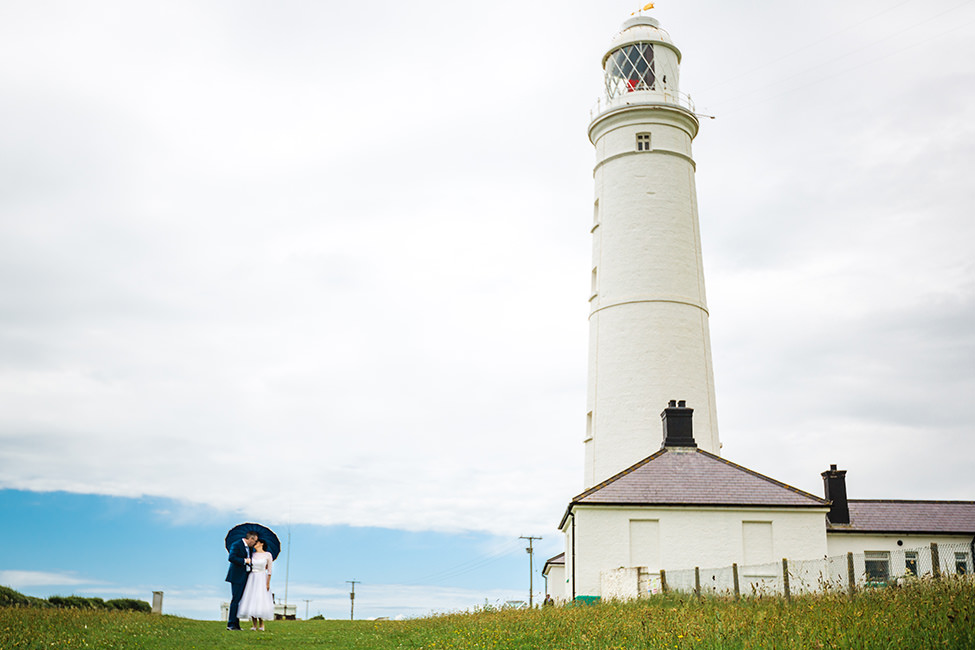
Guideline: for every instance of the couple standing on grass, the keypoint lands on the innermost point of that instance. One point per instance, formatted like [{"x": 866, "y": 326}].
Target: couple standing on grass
[{"x": 250, "y": 582}]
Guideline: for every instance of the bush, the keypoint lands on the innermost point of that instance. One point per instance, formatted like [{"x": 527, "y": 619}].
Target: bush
[
  {"x": 129, "y": 605},
  {"x": 77, "y": 602},
  {"x": 11, "y": 598}
]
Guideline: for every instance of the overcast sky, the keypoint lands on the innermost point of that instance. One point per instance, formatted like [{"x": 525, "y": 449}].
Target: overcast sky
[{"x": 327, "y": 263}]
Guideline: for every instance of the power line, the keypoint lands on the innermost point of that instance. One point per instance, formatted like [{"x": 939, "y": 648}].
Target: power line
[{"x": 465, "y": 567}]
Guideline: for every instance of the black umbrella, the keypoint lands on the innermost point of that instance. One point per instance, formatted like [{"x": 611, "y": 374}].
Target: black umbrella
[{"x": 271, "y": 542}]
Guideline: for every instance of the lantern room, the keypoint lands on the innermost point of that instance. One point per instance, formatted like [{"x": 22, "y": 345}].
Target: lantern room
[{"x": 642, "y": 64}]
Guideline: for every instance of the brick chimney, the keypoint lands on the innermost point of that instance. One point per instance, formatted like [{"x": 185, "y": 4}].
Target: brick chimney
[
  {"x": 678, "y": 425},
  {"x": 834, "y": 482}
]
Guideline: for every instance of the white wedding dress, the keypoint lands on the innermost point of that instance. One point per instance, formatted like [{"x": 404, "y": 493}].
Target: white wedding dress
[{"x": 257, "y": 601}]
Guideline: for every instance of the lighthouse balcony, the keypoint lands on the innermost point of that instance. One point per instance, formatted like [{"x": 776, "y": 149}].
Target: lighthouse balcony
[{"x": 645, "y": 97}]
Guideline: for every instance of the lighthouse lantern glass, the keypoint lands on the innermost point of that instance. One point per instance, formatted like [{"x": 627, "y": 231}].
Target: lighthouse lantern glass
[{"x": 630, "y": 68}]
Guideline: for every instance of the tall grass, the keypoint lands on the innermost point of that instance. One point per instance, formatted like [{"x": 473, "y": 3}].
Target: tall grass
[
  {"x": 918, "y": 616},
  {"x": 927, "y": 614}
]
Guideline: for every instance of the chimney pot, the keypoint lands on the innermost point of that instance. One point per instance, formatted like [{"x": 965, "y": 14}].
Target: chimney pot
[
  {"x": 673, "y": 403},
  {"x": 681, "y": 403}
]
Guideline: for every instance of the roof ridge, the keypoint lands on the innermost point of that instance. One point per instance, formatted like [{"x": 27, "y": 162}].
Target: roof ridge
[
  {"x": 962, "y": 503},
  {"x": 762, "y": 476},
  {"x": 707, "y": 455},
  {"x": 615, "y": 477}
]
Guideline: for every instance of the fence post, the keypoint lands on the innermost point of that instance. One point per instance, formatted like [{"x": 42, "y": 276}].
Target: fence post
[
  {"x": 850, "y": 576},
  {"x": 663, "y": 581},
  {"x": 734, "y": 573},
  {"x": 785, "y": 580},
  {"x": 697, "y": 581},
  {"x": 935, "y": 561}
]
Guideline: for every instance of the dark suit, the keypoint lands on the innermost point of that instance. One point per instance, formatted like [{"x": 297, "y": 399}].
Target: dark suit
[{"x": 237, "y": 577}]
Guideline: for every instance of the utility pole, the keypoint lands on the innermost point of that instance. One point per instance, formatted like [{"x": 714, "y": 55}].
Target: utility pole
[
  {"x": 307, "y": 600},
  {"x": 352, "y": 598},
  {"x": 531, "y": 565},
  {"x": 287, "y": 573}
]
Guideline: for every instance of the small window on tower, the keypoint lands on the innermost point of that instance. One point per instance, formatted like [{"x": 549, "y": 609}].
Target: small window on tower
[{"x": 643, "y": 142}]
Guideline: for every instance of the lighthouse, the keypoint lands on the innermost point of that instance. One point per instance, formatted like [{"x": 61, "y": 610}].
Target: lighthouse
[
  {"x": 659, "y": 499},
  {"x": 649, "y": 341}
]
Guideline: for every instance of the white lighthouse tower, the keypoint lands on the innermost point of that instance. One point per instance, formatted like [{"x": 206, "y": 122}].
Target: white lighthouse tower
[{"x": 649, "y": 341}]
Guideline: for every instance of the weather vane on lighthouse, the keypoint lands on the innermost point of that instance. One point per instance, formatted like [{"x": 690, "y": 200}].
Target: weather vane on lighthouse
[{"x": 646, "y": 7}]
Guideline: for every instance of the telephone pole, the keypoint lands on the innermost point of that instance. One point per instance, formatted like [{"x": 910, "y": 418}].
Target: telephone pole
[
  {"x": 531, "y": 567},
  {"x": 352, "y": 598},
  {"x": 307, "y": 600}
]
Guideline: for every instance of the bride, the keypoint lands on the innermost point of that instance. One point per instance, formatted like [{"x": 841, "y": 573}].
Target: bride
[{"x": 257, "y": 602}]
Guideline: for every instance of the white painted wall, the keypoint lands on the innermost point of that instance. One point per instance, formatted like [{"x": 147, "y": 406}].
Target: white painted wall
[
  {"x": 704, "y": 537},
  {"x": 555, "y": 583},
  {"x": 843, "y": 543},
  {"x": 620, "y": 584},
  {"x": 839, "y": 544}
]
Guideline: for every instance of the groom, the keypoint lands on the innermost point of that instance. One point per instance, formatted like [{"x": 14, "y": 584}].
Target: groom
[{"x": 240, "y": 565}]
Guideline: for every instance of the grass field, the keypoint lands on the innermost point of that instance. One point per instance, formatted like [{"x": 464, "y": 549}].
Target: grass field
[{"x": 925, "y": 615}]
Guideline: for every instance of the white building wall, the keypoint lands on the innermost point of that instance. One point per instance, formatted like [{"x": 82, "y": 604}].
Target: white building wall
[
  {"x": 555, "y": 583},
  {"x": 703, "y": 537},
  {"x": 843, "y": 543},
  {"x": 839, "y": 544}
]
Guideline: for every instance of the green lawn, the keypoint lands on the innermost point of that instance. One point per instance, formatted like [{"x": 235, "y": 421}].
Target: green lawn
[{"x": 925, "y": 615}]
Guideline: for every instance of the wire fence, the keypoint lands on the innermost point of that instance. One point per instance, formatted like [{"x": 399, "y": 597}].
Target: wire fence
[{"x": 842, "y": 573}]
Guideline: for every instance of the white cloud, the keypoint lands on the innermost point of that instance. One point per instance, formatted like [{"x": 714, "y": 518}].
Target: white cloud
[
  {"x": 346, "y": 254},
  {"x": 23, "y": 579}
]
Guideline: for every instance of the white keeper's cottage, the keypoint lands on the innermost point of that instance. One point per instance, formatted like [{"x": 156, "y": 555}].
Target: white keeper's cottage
[{"x": 657, "y": 493}]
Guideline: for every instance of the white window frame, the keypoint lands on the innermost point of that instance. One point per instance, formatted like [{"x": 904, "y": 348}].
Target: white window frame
[
  {"x": 878, "y": 559},
  {"x": 911, "y": 563}
]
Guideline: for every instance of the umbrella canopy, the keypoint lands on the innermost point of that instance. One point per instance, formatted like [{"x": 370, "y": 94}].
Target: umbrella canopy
[{"x": 271, "y": 541}]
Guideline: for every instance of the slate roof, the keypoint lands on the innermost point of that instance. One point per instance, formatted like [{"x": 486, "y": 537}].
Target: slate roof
[
  {"x": 693, "y": 477},
  {"x": 893, "y": 516},
  {"x": 554, "y": 561}
]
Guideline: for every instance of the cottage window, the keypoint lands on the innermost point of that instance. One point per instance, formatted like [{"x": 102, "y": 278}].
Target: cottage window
[
  {"x": 961, "y": 563},
  {"x": 877, "y": 565},
  {"x": 910, "y": 562}
]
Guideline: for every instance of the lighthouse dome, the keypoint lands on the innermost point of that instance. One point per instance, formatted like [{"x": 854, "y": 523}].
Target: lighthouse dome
[{"x": 641, "y": 29}]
